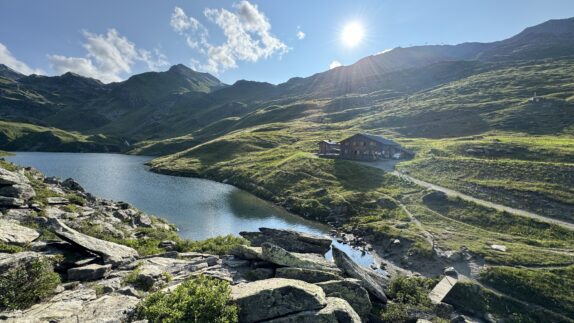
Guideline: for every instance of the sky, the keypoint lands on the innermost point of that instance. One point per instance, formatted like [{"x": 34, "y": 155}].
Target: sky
[{"x": 270, "y": 41}]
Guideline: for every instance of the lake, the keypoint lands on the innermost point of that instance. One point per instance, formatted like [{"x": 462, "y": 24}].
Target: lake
[{"x": 200, "y": 208}]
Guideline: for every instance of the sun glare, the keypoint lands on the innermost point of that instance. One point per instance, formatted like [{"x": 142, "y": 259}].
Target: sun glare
[{"x": 352, "y": 34}]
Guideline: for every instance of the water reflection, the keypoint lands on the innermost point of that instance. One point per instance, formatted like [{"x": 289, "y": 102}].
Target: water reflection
[{"x": 199, "y": 207}]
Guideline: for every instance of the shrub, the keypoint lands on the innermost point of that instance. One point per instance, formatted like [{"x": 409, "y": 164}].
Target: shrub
[
  {"x": 409, "y": 294},
  {"x": 200, "y": 299},
  {"x": 25, "y": 286},
  {"x": 76, "y": 199},
  {"x": 6, "y": 248},
  {"x": 218, "y": 245}
]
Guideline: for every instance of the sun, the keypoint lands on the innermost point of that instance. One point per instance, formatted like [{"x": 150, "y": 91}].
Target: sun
[{"x": 353, "y": 34}]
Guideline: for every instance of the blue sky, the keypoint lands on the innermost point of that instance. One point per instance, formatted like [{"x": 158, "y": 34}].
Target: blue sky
[{"x": 255, "y": 40}]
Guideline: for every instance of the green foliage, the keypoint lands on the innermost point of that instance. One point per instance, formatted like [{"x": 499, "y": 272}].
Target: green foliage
[
  {"x": 552, "y": 289},
  {"x": 8, "y": 248},
  {"x": 475, "y": 300},
  {"x": 201, "y": 299},
  {"x": 25, "y": 286},
  {"x": 407, "y": 294},
  {"x": 218, "y": 245},
  {"x": 76, "y": 199},
  {"x": 135, "y": 280}
]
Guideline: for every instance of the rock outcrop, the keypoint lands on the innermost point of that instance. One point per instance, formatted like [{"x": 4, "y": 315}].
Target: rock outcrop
[
  {"x": 111, "y": 253},
  {"x": 13, "y": 233},
  {"x": 336, "y": 311},
  {"x": 307, "y": 275},
  {"x": 276, "y": 297},
  {"x": 289, "y": 240},
  {"x": 89, "y": 272},
  {"x": 282, "y": 257},
  {"x": 351, "y": 291},
  {"x": 369, "y": 279}
]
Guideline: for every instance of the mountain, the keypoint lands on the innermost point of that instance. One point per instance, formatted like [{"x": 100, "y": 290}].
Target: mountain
[
  {"x": 180, "y": 101},
  {"x": 8, "y": 73}
]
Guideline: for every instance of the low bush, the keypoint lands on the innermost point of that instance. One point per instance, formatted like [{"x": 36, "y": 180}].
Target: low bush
[
  {"x": 408, "y": 294},
  {"x": 25, "y": 286},
  {"x": 201, "y": 299},
  {"x": 218, "y": 245}
]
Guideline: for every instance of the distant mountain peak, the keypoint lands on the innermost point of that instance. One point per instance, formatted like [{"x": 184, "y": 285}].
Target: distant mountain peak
[
  {"x": 7, "y": 72},
  {"x": 181, "y": 68}
]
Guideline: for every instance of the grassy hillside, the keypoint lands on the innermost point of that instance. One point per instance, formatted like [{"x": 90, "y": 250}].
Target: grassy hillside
[
  {"x": 21, "y": 136},
  {"x": 479, "y": 134}
]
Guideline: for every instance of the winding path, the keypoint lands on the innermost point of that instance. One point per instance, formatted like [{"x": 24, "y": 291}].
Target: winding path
[
  {"x": 389, "y": 166},
  {"x": 488, "y": 204}
]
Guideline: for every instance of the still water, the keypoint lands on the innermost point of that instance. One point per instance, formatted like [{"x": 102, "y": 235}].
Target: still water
[{"x": 200, "y": 208}]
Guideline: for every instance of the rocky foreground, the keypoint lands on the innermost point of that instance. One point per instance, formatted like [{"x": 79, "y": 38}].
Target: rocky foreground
[{"x": 282, "y": 276}]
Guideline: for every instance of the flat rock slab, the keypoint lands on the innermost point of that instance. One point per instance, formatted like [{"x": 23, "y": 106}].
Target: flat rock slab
[
  {"x": 112, "y": 253},
  {"x": 369, "y": 280},
  {"x": 10, "y": 178},
  {"x": 439, "y": 292},
  {"x": 11, "y": 201},
  {"x": 289, "y": 240},
  {"x": 89, "y": 272},
  {"x": 80, "y": 305},
  {"x": 282, "y": 257},
  {"x": 246, "y": 252},
  {"x": 13, "y": 233},
  {"x": 336, "y": 311},
  {"x": 57, "y": 200},
  {"x": 307, "y": 275},
  {"x": 276, "y": 297}
]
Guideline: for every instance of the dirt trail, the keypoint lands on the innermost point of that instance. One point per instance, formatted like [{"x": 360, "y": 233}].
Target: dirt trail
[
  {"x": 478, "y": 201},
  {"x": 388, "y": 166}
]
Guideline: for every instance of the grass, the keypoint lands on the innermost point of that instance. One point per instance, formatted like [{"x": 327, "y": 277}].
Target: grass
[
  {"x": 477, "y": 301},
  {"x": 24, "y": 136},
  {"x": 552, "y": 289}
]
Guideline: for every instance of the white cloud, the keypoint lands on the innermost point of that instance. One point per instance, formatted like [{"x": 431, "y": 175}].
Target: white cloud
[
  {"x": 300, "y": 34},
  {"x": 335, "y": 64},
  {"x": 247, "y": 34},
  {"x": 9, "y": 60},
  {"x": 108, "y": 57}
]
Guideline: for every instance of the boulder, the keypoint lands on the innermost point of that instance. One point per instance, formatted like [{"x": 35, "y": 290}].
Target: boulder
[
  {"x": 11, "y": 201},
  {"x": 336, "y": 311},
  {"x": 89, "y": 272},
  {"x": 372, "y": 282},
  {"x": 142, "y": 220},
  {"x": 71, "y": 184},
  {"x": 9, "y": 178},
  {"x": 275, "y": 297},
  {"x": 13, "y": 233},
  {"x": 350, "y": 290},
  {"x": 282, "y": 257},
  {"x": 246, "y": 252},
  {"x": 22, "y": 191},
  {"x": 112, "y": 253},
  {"x": 306, "y": 275},
  {"x": 289, "y": 240},
  {"x": 14, "y": 260}
]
